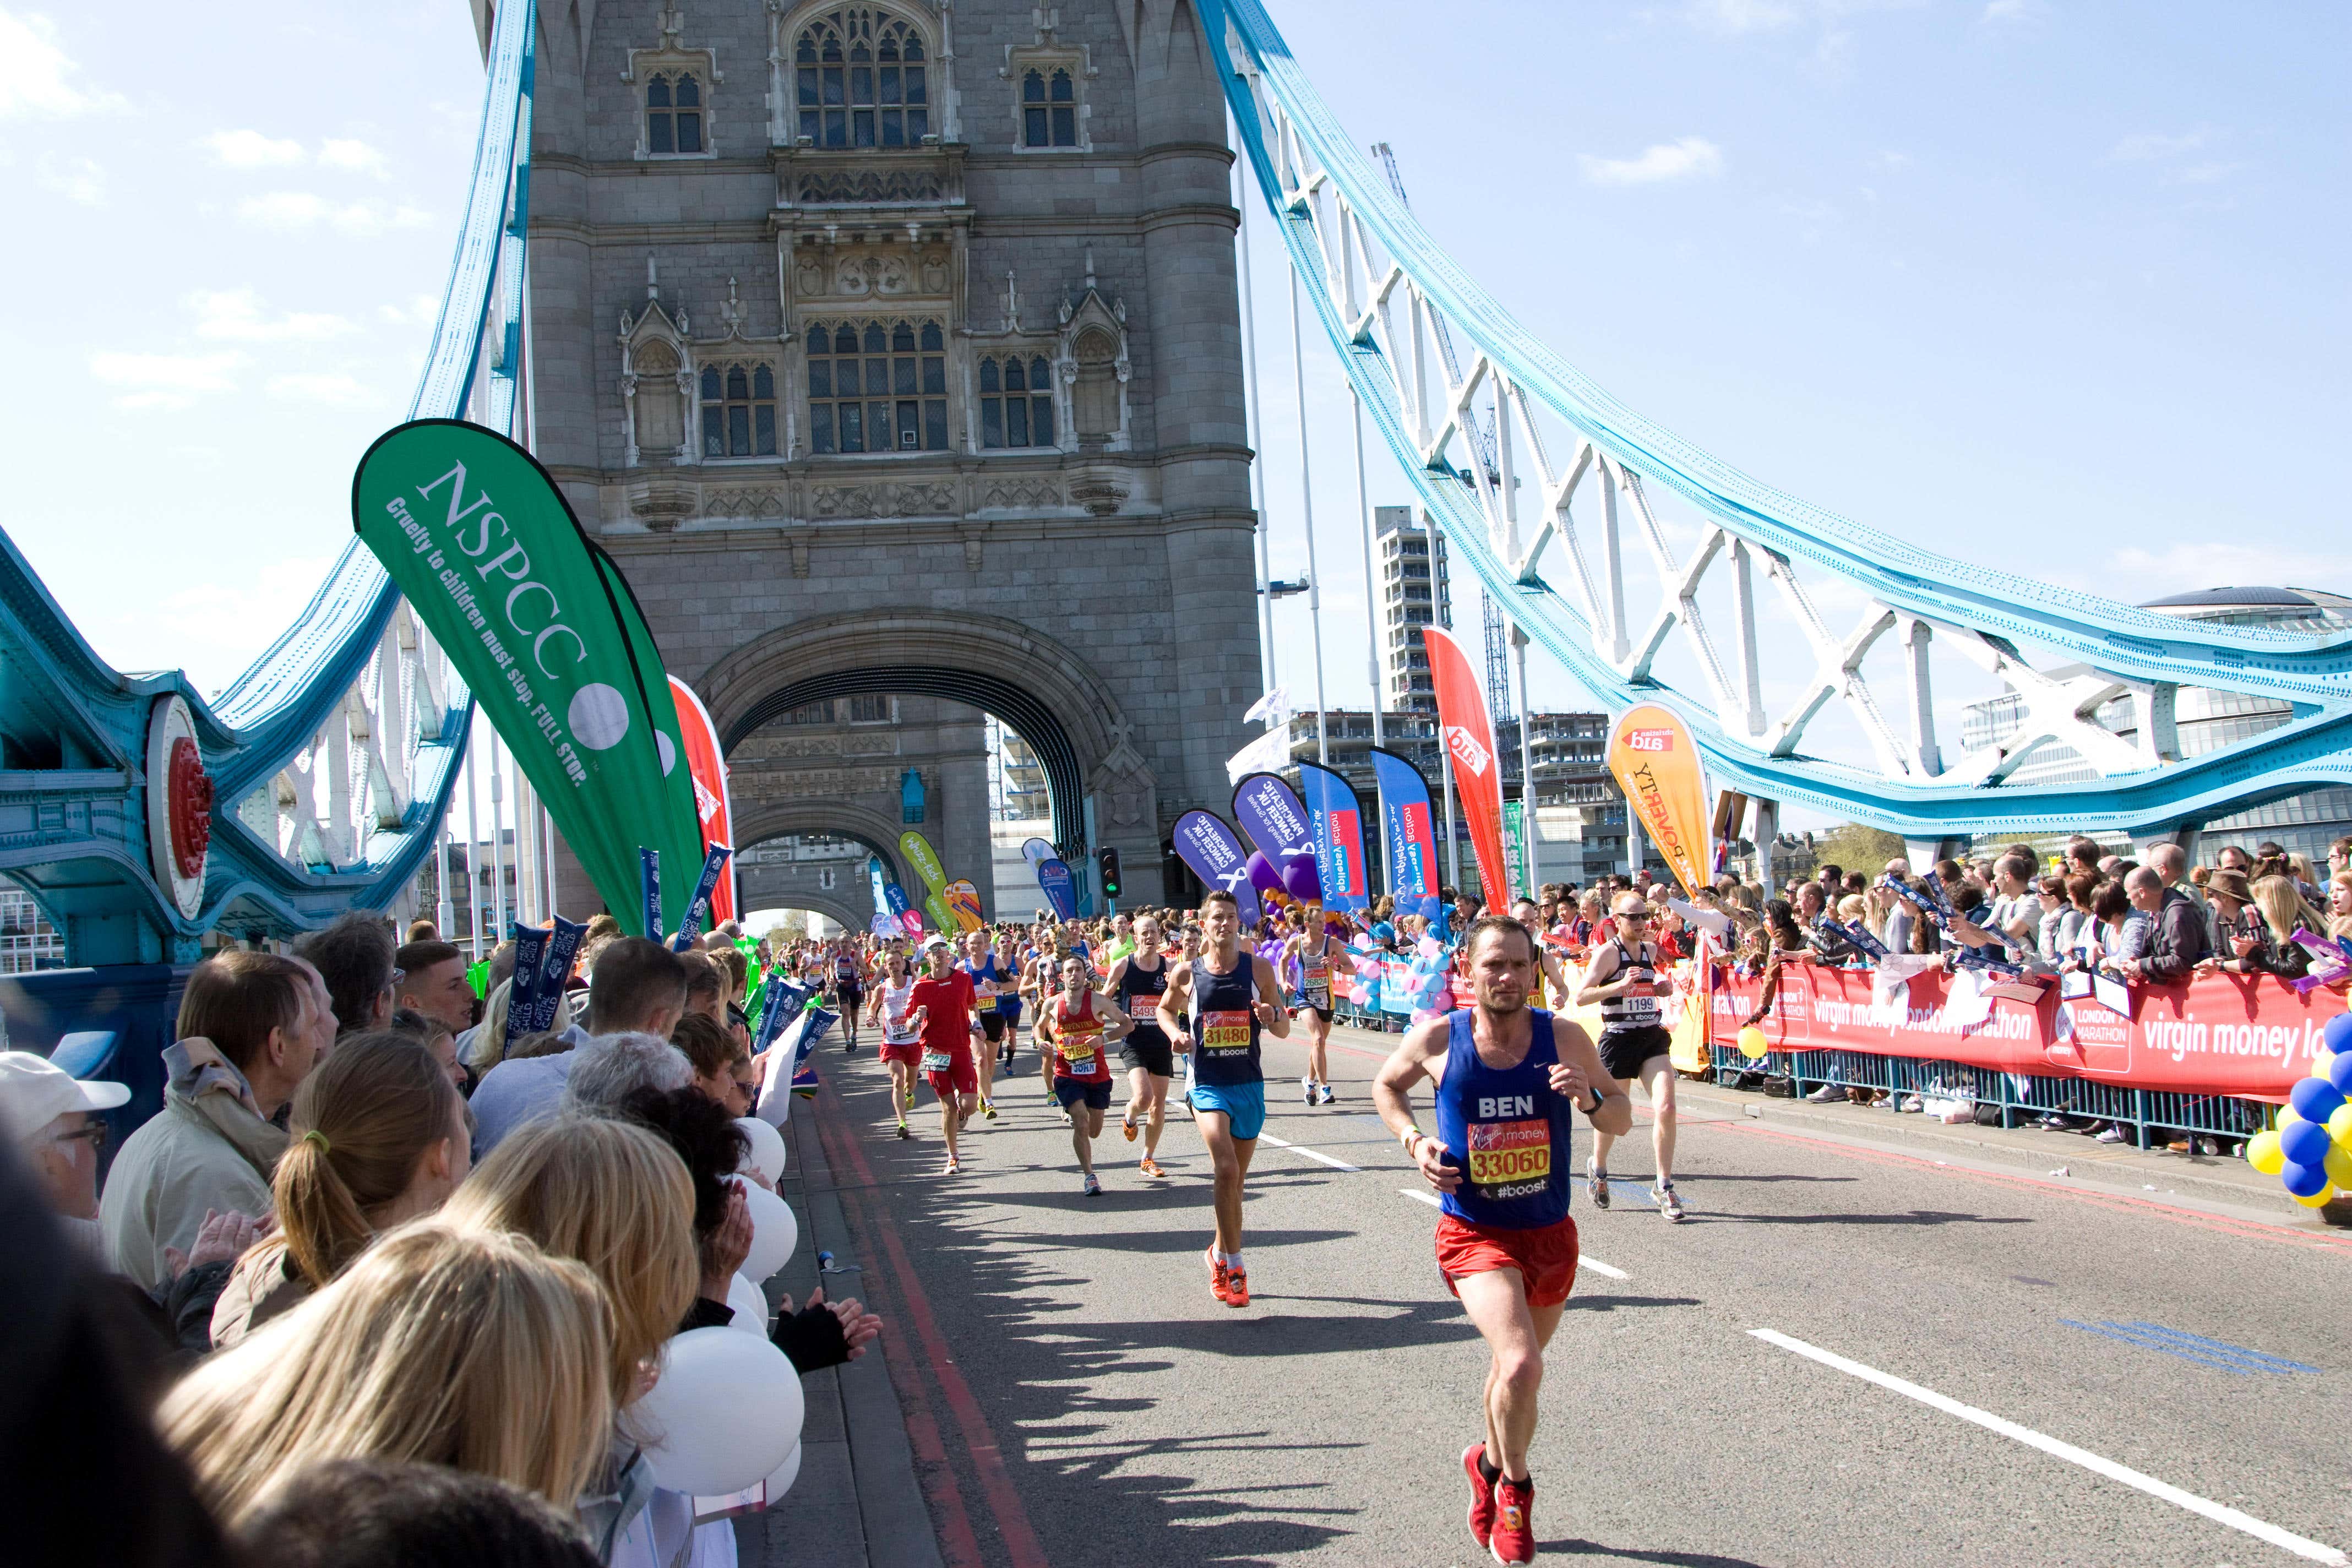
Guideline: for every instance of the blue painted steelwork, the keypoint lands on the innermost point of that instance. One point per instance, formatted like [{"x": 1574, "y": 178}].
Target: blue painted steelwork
[
  {"x": 1270, "y": 95},
  {"x": 73, "y": 765}
]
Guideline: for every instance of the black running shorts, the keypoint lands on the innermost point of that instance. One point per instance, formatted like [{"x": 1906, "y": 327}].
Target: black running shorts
[{"x": 1624, "y": 1051}]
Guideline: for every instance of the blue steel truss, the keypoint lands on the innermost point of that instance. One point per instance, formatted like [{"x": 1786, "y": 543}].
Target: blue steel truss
[
  {"x": 353, "y": 686},
  {"x": 1381, "y": 285}
]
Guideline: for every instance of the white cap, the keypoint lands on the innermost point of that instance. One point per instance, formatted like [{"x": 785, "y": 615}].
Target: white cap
[
  {"x": 934, "y": 940},
  {"x": 36, "y": 1091}
]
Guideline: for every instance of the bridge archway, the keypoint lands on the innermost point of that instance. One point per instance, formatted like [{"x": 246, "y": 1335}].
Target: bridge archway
[{"x": 1037, "y": 685}]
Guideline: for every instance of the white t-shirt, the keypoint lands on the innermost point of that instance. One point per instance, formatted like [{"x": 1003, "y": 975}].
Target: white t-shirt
[{"x": 896, "y": 999}]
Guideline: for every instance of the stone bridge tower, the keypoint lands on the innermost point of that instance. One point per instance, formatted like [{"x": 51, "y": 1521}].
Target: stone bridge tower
[{"x": 894, "y": 350}]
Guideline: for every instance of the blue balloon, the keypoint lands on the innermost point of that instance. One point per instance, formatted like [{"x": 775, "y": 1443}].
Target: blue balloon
[
  {"x": 2303, "y": 1179},
  {"x": 2314, "y": 1099},
  {"x": 2339, "y": 1072},
  {"x": 2305, "y": 1143},
  {"x": 2339, "y": 1032}
]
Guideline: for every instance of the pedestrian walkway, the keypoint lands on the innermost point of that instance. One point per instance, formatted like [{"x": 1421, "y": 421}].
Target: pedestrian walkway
[{"x": 853, "y": 1443}]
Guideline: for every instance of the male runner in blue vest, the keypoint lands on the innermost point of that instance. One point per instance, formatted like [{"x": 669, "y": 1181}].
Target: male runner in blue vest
[
  {"x": 1508, "y": 1078},
  {"x": 1214, "y": 1008}
]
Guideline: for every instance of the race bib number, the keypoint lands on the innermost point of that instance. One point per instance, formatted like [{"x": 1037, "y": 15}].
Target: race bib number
[
  {"x": 1642, "y": 999},
  {"x": 937, "y": 1061},
  {"x": 1509, "y": 1153},
  {"x": 1078, "y": 1056},
  {"x": 1225, "y": 1031}
]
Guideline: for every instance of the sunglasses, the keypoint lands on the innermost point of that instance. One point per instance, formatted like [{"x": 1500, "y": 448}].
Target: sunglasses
[{"x": 93, "y": 1130}]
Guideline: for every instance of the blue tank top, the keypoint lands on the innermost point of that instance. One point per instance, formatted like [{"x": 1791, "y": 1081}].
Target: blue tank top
[
  {"x": 1139, "y": 991},
  {"x": 1505, "y": 1130},
  {"x": 1225, "y": 1024},
  {"x": 990, "y": 973}
]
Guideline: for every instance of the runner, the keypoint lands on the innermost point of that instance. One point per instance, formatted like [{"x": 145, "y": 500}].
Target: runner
[
  {"x": 848, "y": 989},
  {"x": 1554, "y": 972},
  {"x": 1008, "y": 998},
  {"x": 1318, "y": 962},
  {"x": 1079, "y": 1022},
  {"x": 987, "y": 982},
  {"x": 941, "y": 1009},
  {"x": 1507, "y": 1077},
  {"x": 1137, "y": 982},
  {"x": 893, "y": 1000},
  {"x": 1219, "y": 1004},
  {"x": 1633, "y": 1044}
]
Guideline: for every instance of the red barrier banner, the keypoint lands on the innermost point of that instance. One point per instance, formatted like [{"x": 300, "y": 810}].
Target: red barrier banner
[
  {"x": 1469, "y": 731},
  {"x": 707, "y": 767},
  {"x": 2226, "y": 1033}
]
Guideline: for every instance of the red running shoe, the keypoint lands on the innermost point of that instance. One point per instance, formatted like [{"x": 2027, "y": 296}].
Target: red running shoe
[
  {"x": 1236, "y": 1288},
  {"x": 1482, "y": 1494},
  {"x": 1513, "y": 1539},
  {"x": 1218, "y": 1277}
]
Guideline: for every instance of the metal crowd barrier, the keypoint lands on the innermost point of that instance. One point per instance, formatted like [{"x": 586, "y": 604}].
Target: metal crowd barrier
[{"x": 2021, "y": 1100}]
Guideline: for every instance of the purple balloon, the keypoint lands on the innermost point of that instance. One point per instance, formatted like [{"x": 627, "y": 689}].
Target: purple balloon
[
  {"x": 1263, "y": 876},
  {"x": 1301, "y": 881}
]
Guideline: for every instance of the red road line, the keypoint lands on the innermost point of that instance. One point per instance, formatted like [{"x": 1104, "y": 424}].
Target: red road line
[
  {"x": 2118, "y": 1202},
  {"x": 961, "y": 1544},
  {"x": 1003, "y": 1500}
]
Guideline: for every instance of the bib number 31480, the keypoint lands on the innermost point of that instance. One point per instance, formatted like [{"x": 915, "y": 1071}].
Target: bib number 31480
[{"x": 1225, "y": 1031}]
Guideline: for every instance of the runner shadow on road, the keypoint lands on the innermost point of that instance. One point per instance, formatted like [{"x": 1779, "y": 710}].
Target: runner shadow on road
[{"x": 1594, "y": 1548}]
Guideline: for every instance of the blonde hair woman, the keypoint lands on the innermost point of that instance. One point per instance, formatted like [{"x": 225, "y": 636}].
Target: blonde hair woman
[
  {"x": 439, "y": 1346},
  {"x": 2283, "y": 911},
  {"x": 615, "y": 1197},
  {"x": 380, "y": 1136}
]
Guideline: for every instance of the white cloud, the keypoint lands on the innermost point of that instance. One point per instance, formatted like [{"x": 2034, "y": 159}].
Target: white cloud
[
  {"x": 2013, "y": 11},
  {"x": 225, "y": 625},
  {"x": 1691, "y": 157},
  {"x": 2207, "y": 171},
  {"x": 1894, "y": 160},
  {"x": 237, "y": 316},
  {"x": 356, "y": 156},
  {"x": 76, "y": 179},
  {"x": 35, "y": 76},
  {"x": 422, "y": 311},
  {"x": 252, "y": 150},
  {"x": 1742, "y": 16},
  {"x": 165, "y": 381},
  {"x": 2149, "y": 145},
  {"x": 333, "y": 388},
  {"x": 298, "y": 210}
]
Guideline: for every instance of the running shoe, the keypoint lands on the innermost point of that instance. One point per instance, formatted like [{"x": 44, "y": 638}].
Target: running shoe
[
  {"x": 988, "y": 1109},
  {"x": 1306, "y": 1087},
  {"x": 1596, "y": 1184},
  {"x": 1150, "y": 1167},
  {"x": 902, "y": 1128},
  {"x": 1322, "y": 1094},
  {"x": 849, "y": 1047},
  {"x": 1236, "y": 1288},
  {"x": 1093, "y": 1187},
  {"x": 1218, "y": 1275},
  {"x": 1514, "y": 1540},
  {"x": 1126, "y": 1125},
  {"x": 953, "y": 1166},
  {"x": 1828, "y": 1094},
  {"x": 1668, "y": 1203},
  {"x": 1481, "y": 1493}
]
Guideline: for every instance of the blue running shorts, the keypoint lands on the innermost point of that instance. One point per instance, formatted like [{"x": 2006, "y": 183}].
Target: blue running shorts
[{"x": 1242, "y": 1103}]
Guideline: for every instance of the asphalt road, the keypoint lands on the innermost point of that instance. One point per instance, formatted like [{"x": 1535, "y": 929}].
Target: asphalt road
[{"x": 2087, "y": 1377}]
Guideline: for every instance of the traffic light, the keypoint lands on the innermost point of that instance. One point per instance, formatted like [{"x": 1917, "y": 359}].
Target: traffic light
[{"x": 1106, "y": 865}]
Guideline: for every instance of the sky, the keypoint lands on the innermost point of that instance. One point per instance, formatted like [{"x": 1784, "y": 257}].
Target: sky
[{"x": 2053, "y": 286}]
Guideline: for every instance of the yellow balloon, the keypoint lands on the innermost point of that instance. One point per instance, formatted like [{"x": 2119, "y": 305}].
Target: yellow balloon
[
  {"x": 2323, "y": 1195},
  {"x": 2263, "y": 1153},
  {"x": 2338, "y": 1165},
  {"x": 2339, "y": 1125},
  {"x": 1752, "y": 1043},
  {"x": 2287, "y": 1117}
]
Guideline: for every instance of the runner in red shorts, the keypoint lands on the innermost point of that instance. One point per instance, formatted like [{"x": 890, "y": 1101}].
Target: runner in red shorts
[
  {"x": 892, "y": 1004},
  {"x": 941, "y": 1008},
  {"x": 1507, "y": 1076}
]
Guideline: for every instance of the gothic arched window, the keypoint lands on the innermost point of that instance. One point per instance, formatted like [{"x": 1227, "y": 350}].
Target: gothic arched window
[
  {"x": 1049, "y": 107},
  {"x": 861, "y": 79},
  {"x": 1094, "y": 402},
  {"x": 1017, "y": 401},
  {"x": 877, "y": 387},
  {"x": 660, "y": 422},
  {"x": 673, "y": 114},
  {"x": 738, "y": 411}
]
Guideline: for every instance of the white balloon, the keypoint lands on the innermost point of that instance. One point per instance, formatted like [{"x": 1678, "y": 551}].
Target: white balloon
[
  {"x": 726, "y": 1413},
  {"x": 751, "y": 1305},
  {"x": 767, "y": 1152},
  {"x": 774, "y": 1233},
  {"x": 786, "y": 1474}
]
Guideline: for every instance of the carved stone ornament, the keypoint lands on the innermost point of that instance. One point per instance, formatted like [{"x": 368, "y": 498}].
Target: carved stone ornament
[
  {"x": 884, "y": 501},
  {"x": 661, "y": 503}
]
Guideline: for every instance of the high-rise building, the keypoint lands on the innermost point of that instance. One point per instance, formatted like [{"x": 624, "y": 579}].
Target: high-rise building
[
  {"x": 27, "y": 941},
  {"x": 1413, "y": 595}
]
